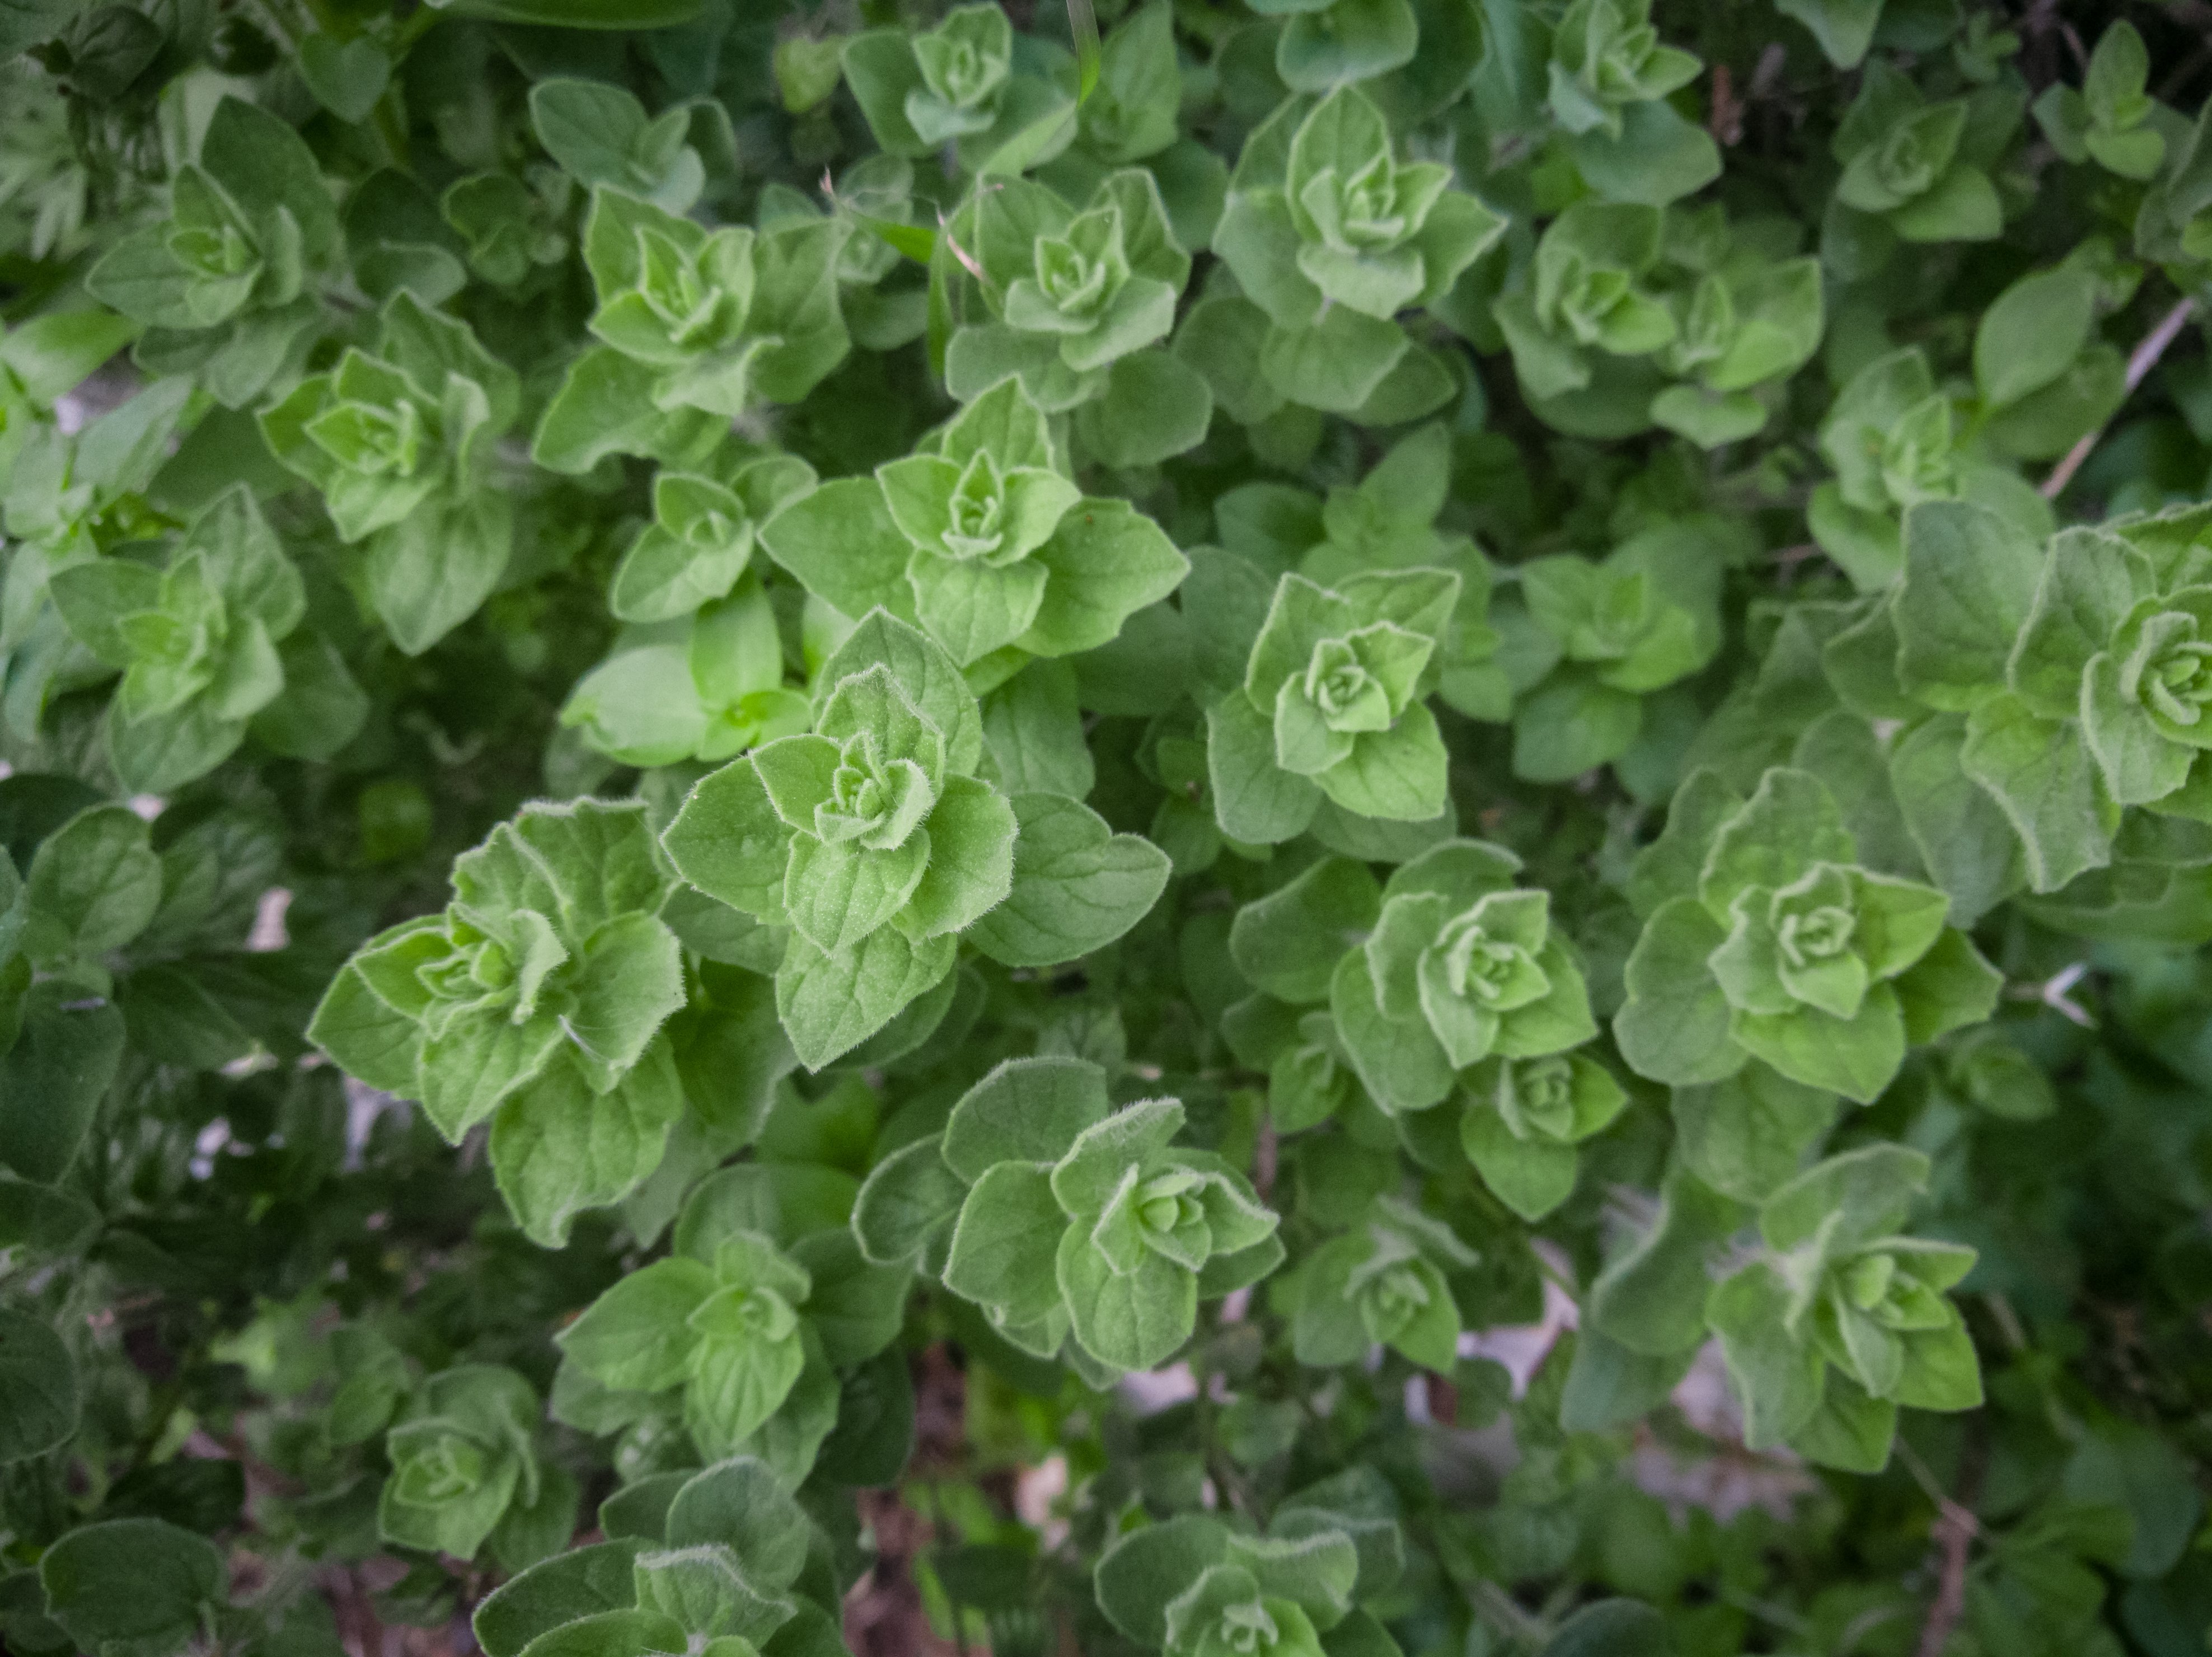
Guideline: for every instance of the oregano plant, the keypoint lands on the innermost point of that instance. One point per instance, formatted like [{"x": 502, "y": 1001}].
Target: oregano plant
[{"x": 1272, "y": 828}]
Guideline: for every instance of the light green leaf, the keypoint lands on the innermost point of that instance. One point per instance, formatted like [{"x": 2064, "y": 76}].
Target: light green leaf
[
  {"x": 1077, "y": 886},
  {"x": 1003, "y": 1243},
  {"x": 636, "y": 1337},
  {"x": 2040, "y": 773},
  {"x": 1675, "y": 1024},
  {"x": 831, "y": 1003},
  {"x": 1775, "y": 1378},
  {"x": 1969, "y": 579},
  {"x": 558, "y": 1147}
]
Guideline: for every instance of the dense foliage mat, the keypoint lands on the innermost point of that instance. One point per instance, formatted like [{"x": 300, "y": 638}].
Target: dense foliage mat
[{"x": 1249, "y": 828}]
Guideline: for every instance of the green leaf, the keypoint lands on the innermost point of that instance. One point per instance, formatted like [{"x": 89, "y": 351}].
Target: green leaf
[
  {"x": 1532, "y": 1177},
  {"x": 1969, "y": 579},
  {"x": 2130, "y": 1468},
  {"x": 1221, "y": 337},
  {"x": 1775, "y": 1378},
  {"x": 581, "y": 14},
  {"x": 141, "y": 1586},
  {"x": 1853, "y": 1197},
  {"x": 323, "y": 707},
  {"x": 1105, "y": 562},
  {"x": 1003, "y": 1244},
  {"x": 26, "y": 23},
  {"x": 564, "y": 1589},
  {"x": 1033, "y": 734},
  {"x": 1857, "y": 1057},
  {"x": 1570, "y": 724},
  {"x": 1089, "y": 1176},
  {"x": 741, "y": 1505},
  {"x": 839, "y": 894},
  {"x": 161, "y": 752},
  {"x": 2090, "y": 582},
  {"x": 1675, "y": 1024},
  {"x": 1659, "y": 157},
  {"x": 558, "y": 1147},
  {"x": 601, "y": 135},
  {"x": 633, "y": 979},
  {"x": 1962, "y": 834},
  {"x": 432, "y": 570},
  {"x": 1845, "y": 29},
  {"x": 346, "y": 77},
  {"x": 1750, "y": 1133},
  {"x": 1027, "y": 1110},
  {"x": 53, "y": 1078},
  {"x": 1136, "y": 1320},
  {"x": 605, "y": 407},
  {"x": 1335, "y": 362},
  {"x": 738, "y": 1387},
  {"x": 39, "y": 1401},
  {"x": 93, "y": 885},
  {"x": 636, "y": 1337},
  {"x": 907, "y": 1201},
  {"x": 1156, "y": 406},
  {"x": 1077, "y": 886},
  {"x": 1399, "y": 775},
  {"x": 1255, "y": 799},
  {"x": 1789, "y": 824},
  {"x": 1146, "y": 1569},
  {"x": 831, "y": 1003},
  {"x": 856, "y": 1306},
  {"x": 1941, "y": 1371},
  {"x": 1608, "y": 1386},
  {"x": 2032, "y": 331},
  {"x": 1652, "y": 1296},
  {"x": 1288, "y": 942},
  {"x": 2040, "y": 773},
  {"x": 1670, "y": 865},
  {"x": 780, "y": 1201},
  {"x": 263, "y": 161},
  {"x": 1949, "y": 987},
  {"x": 841, "y": 542},
  {"x": 1348, "y": 40},
  {"x": 1610, "y": 1628},
  {"x": 1850, "y": 1431},
  {"x": 536, "y": 1528},
  {"x": 1317, "y": 1570},
  {"x": 931, "y": 679},
  {"x": 369, "y": 1038},
  {"x": 1402, "y": 1066},
  {"x": 729, "y": 842},
  {"x": 51, "y": 355}
]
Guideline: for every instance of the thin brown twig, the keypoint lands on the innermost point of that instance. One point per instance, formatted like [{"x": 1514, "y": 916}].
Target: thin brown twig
[
  {"x": 1726, "y": 123},
  {"x": 1954, "y": 1534},
  {"x": 2073, "y": 38},
  {"x": 2141, "y": 362}
]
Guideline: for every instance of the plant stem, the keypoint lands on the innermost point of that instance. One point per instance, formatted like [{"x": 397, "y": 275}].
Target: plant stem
[
  {"x": 1955, "y": 1529},
  {"x": 2143, "y": 359},
  {"x": 1954, "y": 1534}
]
